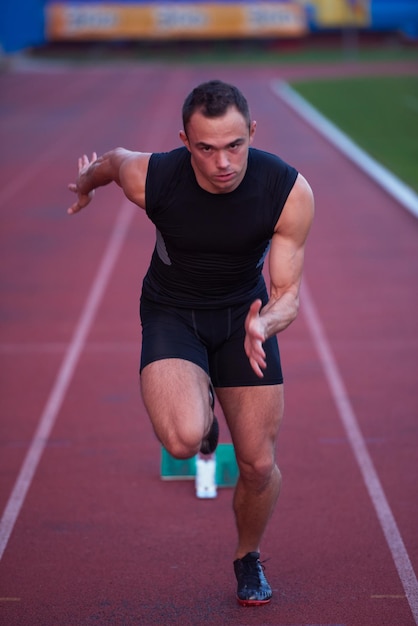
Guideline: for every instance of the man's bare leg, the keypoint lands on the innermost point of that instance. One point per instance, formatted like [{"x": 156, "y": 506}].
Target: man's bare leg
[
  {"x": 176, "y": 396},
  {"x": 253, "y": 507},
  {"x": 254, "y": 415}
]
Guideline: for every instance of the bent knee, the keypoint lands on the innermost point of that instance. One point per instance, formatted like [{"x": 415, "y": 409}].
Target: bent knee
[
  {"x": 182, "y": 445},
  {"x": 258, "y": 472}
]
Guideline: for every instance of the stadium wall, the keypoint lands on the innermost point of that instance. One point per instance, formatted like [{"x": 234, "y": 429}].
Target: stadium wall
[{"x": 31, "y": 23}]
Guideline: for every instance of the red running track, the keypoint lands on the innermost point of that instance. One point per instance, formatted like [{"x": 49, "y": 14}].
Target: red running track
[{"x": 90, "y": 534}]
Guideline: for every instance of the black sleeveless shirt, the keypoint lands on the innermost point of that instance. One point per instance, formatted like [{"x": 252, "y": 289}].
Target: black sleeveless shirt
[{"x": 210, "y": 248}]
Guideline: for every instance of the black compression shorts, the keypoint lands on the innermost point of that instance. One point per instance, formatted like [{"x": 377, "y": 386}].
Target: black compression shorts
[{"x": 212, "y": 339}]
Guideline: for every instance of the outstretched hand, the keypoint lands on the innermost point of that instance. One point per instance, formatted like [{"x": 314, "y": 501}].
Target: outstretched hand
[
  {"x": 254, "y": 338},
  {"x": 83, "y": 199}
]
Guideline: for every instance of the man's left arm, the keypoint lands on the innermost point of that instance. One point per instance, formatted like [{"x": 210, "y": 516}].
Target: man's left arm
[{"x": 285, "y": 267}]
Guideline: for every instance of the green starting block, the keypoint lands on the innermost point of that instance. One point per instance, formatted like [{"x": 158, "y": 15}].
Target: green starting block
[{"x": 185, "y": 469}]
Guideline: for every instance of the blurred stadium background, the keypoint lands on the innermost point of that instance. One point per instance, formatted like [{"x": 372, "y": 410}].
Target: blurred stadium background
[
  {"x": 272, "y": 31},
  {"x": 34, "y": 24}
]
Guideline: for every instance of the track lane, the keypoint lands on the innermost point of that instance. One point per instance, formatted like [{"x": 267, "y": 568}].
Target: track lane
[{"x": 94, "y": 480}]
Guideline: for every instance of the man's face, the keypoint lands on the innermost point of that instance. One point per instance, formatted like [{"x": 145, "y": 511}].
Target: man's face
[{"x": 219, "y": 149}]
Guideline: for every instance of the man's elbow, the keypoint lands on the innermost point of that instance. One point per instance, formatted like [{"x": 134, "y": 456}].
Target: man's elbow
[{"x": 294, "y": 308}]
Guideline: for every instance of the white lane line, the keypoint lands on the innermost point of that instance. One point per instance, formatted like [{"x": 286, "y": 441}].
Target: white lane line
[
  {"x": 64, "y": 376},
  {"x": 51, "y": 347},
  {"x": 388, "y": 181},
  {"x": 28, "y": 173},
  {"x": 362, "y": 456}
]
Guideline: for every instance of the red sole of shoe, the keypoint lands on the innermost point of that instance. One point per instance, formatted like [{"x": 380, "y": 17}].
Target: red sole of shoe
[{"x": 253, "y": 602}]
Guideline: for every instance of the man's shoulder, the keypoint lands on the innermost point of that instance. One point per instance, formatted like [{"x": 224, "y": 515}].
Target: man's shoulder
[
  {"x": 177, "y": 155},
  {"x": 263, "y": 157},
  {"x": 168, "y": 167},
  {"x": 166, "y": 171},
  {"x": 269, "y": 167},
  {"x": 271, "y": 175}
]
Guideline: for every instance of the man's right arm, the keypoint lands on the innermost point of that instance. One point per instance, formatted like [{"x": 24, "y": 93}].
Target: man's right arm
[{"x": 127, "y": 169}]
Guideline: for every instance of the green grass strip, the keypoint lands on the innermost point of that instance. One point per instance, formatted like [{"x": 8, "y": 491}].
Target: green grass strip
[{"x": 379, "y": 113}]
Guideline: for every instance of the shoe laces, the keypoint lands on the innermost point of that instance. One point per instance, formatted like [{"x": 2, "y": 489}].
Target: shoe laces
[{"x": 253, "y": 570}]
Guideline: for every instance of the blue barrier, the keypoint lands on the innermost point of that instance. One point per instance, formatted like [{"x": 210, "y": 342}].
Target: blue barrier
[{"x": 22, "y": 24}]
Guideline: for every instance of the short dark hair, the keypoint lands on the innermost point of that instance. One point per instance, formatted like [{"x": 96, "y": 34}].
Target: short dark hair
[{"x": 212, "y": 99}]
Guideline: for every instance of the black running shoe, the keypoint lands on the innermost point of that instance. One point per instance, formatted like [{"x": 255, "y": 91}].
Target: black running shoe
[
  {"x": 253, "y": 588},
  {"x": 210, "y": 442}
]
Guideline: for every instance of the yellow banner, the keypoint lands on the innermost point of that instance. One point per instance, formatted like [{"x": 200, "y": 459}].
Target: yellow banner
[
  {"x": 176, "y": 20},
  {"x": 340, "y": 13}
]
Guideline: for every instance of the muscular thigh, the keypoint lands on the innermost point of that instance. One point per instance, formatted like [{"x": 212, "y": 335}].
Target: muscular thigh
[
  {"x": 175, "y": 394},
  {"x": 254, "y": 416}
]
